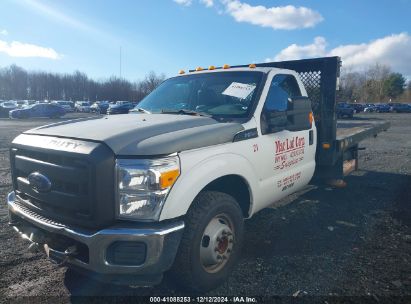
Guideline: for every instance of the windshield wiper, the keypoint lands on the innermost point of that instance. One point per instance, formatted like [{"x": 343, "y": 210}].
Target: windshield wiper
[
  {"x": 185, "y": 112},
  {"x": 140, "y": 110}
]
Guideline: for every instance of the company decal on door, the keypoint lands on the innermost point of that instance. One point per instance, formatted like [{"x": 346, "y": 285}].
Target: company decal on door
[{"x": 288, "y": 152}]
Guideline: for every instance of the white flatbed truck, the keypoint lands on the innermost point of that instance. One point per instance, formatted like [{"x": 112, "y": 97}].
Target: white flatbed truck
[{"x": 127, "y": 198}]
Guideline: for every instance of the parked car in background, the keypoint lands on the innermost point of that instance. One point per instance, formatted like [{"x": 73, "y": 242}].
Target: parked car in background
[
  {"x": 22, "y": 103},
  {"x": 82, "y": 106},
  {"x": 94, "y": 107},
  {"x": 344, "y": 110},
  {"x": 100, "y": 107},
  {"x": 358, "y": 107},
  {"x": 6, "y": 107},
  {"x": 38, "y": 110},
  {"x": 382, "y": 108},
  {"x": 68, "y": 106},
  {"x": 121, "y": 107},
  {"x": 401, "y": 108},
  {"x": 369, "y": 107},
  {"x": 71, "y": 103}
]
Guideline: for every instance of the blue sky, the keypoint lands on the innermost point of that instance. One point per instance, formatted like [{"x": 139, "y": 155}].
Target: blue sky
[{"x": 167, "y": 35}]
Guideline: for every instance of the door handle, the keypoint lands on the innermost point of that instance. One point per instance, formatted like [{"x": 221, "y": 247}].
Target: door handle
[{"x": 311, "y": 137}]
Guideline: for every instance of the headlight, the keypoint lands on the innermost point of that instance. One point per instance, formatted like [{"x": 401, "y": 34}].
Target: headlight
[{"x": 143, "y": 185}]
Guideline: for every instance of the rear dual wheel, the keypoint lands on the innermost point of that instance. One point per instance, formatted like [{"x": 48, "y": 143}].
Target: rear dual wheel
[{"x": 211, "y": 241}]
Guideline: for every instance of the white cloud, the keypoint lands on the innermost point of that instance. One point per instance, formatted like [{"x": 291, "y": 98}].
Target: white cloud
[
  {"x": 183, "y": 2},
  {"x": 4, "y": 32},
  {"x": 280, "y": 17},
  {"x": 207, "y": 3},
  {"x": 316, "y": 49},
  {"x": 19, "y": 49},
  {"x": 393, "y": 50}
]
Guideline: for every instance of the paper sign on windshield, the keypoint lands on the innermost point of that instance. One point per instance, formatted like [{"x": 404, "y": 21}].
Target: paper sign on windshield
[{"x": 239, "y": 90}]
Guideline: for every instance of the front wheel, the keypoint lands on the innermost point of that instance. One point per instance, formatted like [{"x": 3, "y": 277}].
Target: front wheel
[{"x": 211, "y": 241}]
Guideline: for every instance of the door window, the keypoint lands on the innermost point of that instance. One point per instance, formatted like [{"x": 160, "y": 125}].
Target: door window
[{"x": 282, "y": 88}]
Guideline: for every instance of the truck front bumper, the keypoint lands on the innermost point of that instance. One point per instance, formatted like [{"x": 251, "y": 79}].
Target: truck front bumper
[{"x": 123, "y": 253}]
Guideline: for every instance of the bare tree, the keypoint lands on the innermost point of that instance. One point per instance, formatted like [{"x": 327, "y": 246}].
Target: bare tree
[
  {"x": 376, "y": 77},
  {"x": 374, "y": 84},
  {"x": 150, "y": 82},
  {"x": 16, "y": 83}
]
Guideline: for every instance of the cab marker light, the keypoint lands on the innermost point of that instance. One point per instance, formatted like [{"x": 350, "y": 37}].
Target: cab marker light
[
  {"x": 311, "y": 118},
  {"x": 226, "y": 66}
]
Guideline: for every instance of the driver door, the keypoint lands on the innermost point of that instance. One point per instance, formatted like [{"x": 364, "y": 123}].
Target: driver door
[{"x": 287, "y": 141}]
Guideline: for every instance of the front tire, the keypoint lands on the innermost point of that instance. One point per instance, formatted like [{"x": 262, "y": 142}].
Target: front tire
[{"x": 211, "y": 241}]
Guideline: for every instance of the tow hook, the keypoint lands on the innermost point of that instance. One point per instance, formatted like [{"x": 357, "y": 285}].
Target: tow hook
[
  {"x": 69, "y": 253},
  {"x": 35, "y": 236},
  {"x": 34, "y": 247}
]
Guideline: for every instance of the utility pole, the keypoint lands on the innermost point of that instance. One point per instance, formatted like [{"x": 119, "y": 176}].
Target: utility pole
[{"x": 120, "y": 62}]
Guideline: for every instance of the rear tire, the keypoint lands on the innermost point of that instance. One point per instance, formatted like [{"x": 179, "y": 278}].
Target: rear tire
[{"x": 211, "y": 242}]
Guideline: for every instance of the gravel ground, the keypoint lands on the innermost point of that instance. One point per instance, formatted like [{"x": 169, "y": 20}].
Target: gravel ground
[{"x": 327, "y": 242}]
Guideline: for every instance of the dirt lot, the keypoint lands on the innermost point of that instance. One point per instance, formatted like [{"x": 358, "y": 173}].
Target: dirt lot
[{"x": 342, "y": 242}]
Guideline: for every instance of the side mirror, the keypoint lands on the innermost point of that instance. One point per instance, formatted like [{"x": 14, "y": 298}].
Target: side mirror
[
  {"x": 298, "y": 114},
  {"x": 296, "y": 118}
]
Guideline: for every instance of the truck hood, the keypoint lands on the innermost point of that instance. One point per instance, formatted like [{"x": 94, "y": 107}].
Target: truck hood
[{"x": 145, "y": 134}]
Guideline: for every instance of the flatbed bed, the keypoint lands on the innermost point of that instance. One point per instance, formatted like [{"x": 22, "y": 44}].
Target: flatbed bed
[{"x": 351, "y": 132}]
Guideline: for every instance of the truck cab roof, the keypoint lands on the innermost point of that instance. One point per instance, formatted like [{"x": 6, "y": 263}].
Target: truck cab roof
[{"x": 265, "y": 70}]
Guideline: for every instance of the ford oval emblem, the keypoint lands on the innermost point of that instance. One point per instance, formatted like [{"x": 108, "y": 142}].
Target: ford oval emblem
[{"x": 39, "y": 182}]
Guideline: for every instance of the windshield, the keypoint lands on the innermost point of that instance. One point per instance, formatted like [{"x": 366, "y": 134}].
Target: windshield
[{"x": 225, "y": 94}]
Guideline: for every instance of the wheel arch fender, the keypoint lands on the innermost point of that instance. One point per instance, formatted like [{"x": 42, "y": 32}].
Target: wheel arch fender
[{"x": 202, "y": 175}]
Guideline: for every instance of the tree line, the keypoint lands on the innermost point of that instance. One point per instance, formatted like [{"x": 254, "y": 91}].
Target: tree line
[
  {"x": 18, "y": 84},
  {"x": 377, "y": 83}
]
